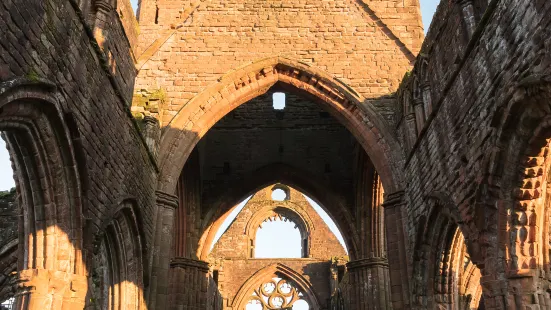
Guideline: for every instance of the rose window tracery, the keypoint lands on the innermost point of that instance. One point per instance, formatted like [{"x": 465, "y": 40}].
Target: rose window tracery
[{"x": 277, "y": 294}]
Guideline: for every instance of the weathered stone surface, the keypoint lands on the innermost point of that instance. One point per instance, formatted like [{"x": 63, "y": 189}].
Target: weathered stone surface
[{"x": 458, "y": 135}]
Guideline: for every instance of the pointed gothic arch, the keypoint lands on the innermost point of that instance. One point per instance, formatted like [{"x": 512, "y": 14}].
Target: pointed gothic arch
[
  {"x": 353, "y": 111},
  {"x": 294, "y": 177},
  {"x": 444, "y": 275},
  {"x": 300, "y": 218},
  {"x": 48, "y": 188},
  {"x": 266, "y": 274},
  {"x": 120, "y": 258},
  {"x": 523, "y": 125}
]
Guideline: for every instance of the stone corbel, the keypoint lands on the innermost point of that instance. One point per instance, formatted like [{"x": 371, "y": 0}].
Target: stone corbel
[{"x": 103, "y": 6}]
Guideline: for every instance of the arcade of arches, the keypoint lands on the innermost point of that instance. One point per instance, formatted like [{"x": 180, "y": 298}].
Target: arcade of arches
[{"x": 133, "y": 138}]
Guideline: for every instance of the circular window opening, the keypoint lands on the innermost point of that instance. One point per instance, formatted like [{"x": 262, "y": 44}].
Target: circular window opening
[{"x": 279, "y": 194}]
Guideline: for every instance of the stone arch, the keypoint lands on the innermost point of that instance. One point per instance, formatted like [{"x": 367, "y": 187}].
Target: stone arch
[
  {"x": 523, "y": 140},
  {"x": 243, "y": 84},
  {"x": 119, "y": 259},
  {"x": 302, "y": 181},
  {"x": 444, "y": 276},
  {"x": 267, "y": 273},
  {"x": 49, "y": 192},
  {"x": 301, "y": 219}
]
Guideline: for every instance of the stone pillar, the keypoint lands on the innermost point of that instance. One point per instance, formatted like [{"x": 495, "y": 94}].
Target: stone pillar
[
  {"x": 394, "y": 206},
  {"x": 188, "y": 217},
  {"x": 467, "y": 14},
  {"x": 103, "y": 10},
  {"x": 419, "y": 114},
  {"x": 50, "y": 289},
  {"x": 369, "y": 281},
  {"x": 411, "y": 130},
  {"x": 188, "y": 284},
  {"x": 368, "y": 275},
  {"x": 427, "y": 100},
  {"x": 162, "y": 250}
]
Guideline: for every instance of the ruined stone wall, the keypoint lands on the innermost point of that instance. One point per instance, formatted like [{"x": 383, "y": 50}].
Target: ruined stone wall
[
  {"x": 9, "y": 223},
  {"x": 9, "y": 214},
  {"x": 231, "y": 254},
  {"x": 49, "y": 47},
  {"x": 471, "y": 68},
  {"x": 197, "y": 43}
]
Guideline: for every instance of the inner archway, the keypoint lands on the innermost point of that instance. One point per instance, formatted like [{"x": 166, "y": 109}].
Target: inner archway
[
  {"x": 317, "y": 142},
  {"x": 195, "y": 119}
]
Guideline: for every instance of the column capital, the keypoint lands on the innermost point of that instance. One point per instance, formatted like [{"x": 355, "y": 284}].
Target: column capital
[
  {"x": 167, "y": 200},
  {"x": 367, "y": 263},
  {"x": 103, "y": 6},
  {"x": 150, "y": 120},
  {"x": 464, "y": 3},
  {"x": 183, "y": 262},
  {"x": 410, "y": 116},
  {"x": 418, "y": 102},
  {"x": 394, "y": 199}
]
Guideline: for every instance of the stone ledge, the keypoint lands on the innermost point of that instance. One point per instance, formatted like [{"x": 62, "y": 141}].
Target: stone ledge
[{"x": 183, "y": 262}]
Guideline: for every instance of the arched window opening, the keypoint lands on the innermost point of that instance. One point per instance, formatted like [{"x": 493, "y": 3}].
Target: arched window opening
[
  {"x": 6, "y": 178},
  {"x": 279, "y": 237},
  {"x": 277, "y": 294}
]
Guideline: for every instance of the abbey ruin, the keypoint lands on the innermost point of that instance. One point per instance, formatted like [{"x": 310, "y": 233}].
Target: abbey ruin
[{"x": 133, "y": 136}]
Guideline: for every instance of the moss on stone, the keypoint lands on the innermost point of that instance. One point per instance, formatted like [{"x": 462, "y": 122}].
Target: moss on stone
[{"x": 33, "y": 76}]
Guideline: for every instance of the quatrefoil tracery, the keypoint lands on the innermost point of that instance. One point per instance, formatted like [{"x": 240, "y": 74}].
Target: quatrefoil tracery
[{"x": 275, "y": 294}]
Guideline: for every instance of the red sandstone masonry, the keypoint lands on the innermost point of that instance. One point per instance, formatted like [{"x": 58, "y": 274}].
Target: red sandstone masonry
[
  {"x": 339, "y": 37},
  {"x": 231, "y": 254}
]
